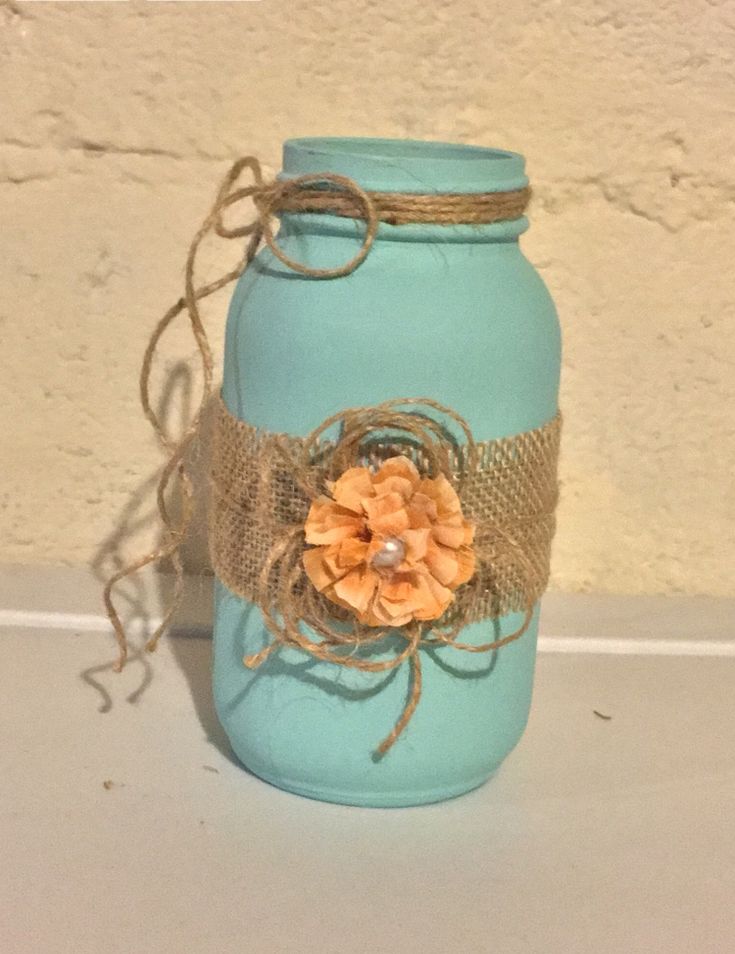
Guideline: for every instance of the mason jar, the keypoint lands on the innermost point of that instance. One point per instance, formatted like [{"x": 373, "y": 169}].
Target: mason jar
[{"x": 452, "y": 312}]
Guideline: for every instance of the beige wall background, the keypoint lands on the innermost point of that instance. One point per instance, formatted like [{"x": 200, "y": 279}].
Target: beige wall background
[{"x": 118, "y": 120}]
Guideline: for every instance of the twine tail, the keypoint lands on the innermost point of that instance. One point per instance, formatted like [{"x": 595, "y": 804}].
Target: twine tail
[
  {"x": 253, "y": 660},
  {"x": 268, "y": 198},
  {"x": 497, "y": 643},
  {"x": 175, "y": 469},
  {"x": 410, "y": 707}
]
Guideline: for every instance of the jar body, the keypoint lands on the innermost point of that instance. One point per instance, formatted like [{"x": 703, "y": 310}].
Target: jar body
[{"x": 453, "y": 313}]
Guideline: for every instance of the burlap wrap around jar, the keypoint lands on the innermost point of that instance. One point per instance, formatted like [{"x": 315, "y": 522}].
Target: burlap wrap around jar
[{"x": 442, "y": 306}]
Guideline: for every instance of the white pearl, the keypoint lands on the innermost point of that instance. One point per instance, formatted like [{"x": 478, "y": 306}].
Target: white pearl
[{"x": 390, "y": 555}]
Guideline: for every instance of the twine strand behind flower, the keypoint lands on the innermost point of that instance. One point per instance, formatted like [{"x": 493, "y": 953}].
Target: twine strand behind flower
[{"x": 175, "y": 533}]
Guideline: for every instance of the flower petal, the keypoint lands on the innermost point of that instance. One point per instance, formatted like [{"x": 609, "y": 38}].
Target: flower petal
[
  {"x": 351, "y": 487},
  {"x": 416, "y": 595},
  {"x": 434, "y": 598},
  {"x": 442, "y": 563},
  {"x": 386, "y": 514},
  {"x": 394, "y": 601},
  {"x": 421, "y": 511},
  {"x": 469, "y": 533},
  {"x": 416, "y": 542},
  {"x": 357, "y": 587},
  {"x": 442, "y": 493},
  {"x": 352, "y": 552},
  {"x": 327, "y": 522},
  {"x": 397, "y": 467},
  {"x": 375, "y": 615},
  {"x": 398, "y": 589},
  {"x": 466, "y": 560},
  {"x": 449, "y": 536},
  {"x": 397, "y": 485},
  {"x": 316, "y": 568}
]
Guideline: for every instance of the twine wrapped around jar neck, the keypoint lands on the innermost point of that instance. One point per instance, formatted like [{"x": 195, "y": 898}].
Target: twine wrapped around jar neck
[
  {"x": 306, "y": 194},
  {"x": 321, "y": 193}
]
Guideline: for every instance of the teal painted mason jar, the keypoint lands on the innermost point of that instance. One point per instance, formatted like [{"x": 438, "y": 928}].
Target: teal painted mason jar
[{"x": 451, "y": 312}]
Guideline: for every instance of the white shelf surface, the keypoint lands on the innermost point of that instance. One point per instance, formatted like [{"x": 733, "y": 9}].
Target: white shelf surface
[{"x": 596, "y": 836}]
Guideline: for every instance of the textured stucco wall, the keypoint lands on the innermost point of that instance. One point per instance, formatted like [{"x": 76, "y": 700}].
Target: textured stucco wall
[{"x": 119, "y": 118}]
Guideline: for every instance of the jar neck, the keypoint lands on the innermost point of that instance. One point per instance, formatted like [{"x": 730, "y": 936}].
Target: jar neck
[{"x": 408, "y": 166}]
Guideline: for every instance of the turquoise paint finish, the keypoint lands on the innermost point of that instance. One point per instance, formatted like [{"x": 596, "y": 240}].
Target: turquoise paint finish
[{"x": 453, "y": 313}]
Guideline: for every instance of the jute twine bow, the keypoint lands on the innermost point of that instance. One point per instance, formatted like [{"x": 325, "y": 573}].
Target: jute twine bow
[{"x": 322, "y": 193}]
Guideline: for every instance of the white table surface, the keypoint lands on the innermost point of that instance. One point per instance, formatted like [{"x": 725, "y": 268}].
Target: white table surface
[{"x": 595, "y": 837}]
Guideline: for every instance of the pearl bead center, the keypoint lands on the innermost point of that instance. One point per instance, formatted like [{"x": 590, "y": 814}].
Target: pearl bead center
[{"x": 390, "y": 555}]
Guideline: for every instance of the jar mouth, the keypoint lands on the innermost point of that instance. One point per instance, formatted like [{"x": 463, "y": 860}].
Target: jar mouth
[
  {"x": 400, "y": 148},
  {"x": 407, "y": 165}
]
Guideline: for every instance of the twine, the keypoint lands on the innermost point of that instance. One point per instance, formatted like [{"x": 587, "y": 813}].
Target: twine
[{"x": 321, "y": 193}]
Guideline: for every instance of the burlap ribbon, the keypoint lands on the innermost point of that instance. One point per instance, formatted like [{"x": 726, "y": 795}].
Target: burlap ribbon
[{"x": 280, "y": 572}]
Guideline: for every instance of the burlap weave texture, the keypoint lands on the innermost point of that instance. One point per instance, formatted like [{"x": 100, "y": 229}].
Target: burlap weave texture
[{"x": 510, "y": 495}]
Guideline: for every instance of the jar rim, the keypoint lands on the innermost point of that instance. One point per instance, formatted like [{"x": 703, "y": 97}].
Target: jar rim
[{"x": 406, "y": 165}]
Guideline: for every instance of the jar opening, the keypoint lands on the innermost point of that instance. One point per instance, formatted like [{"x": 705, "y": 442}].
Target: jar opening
[
  {"x": 407, "y": 165},
  {"x": 400, "y": 148}
]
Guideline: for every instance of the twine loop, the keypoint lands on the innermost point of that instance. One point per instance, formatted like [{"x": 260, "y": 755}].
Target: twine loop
[{"x": 291, "y": 195}]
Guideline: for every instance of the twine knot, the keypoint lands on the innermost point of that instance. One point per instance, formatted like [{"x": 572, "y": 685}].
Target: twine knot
[
  {"x": 302, "y": 194},
  {"x": 332, "y": 194}
]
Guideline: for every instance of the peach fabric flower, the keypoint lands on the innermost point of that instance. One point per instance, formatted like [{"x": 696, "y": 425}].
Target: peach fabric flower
[{"x": 390, "y": 545}]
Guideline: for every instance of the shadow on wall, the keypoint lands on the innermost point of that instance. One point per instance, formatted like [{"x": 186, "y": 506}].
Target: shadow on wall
[{"x": 137, "y": 594}]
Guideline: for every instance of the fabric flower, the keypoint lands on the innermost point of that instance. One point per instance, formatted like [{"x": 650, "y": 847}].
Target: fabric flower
[{"x": 391, "y": 546}]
